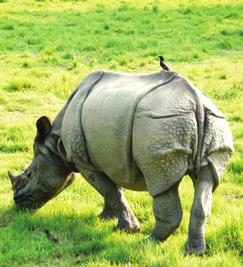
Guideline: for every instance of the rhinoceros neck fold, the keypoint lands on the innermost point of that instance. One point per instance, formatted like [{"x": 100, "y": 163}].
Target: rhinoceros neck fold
[
  {"x": 72, "y": 134},
  {"x": 51, "y": 149},
  {"x": 55, "y": 136}
]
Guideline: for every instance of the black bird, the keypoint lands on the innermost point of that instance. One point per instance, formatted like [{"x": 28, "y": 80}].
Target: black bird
[
  {"x": 50, "y": 236},
  {"x": 162, "y": 64}
]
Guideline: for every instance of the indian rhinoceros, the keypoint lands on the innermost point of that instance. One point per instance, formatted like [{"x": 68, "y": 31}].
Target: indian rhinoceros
[{"x": 141, "y": 132}]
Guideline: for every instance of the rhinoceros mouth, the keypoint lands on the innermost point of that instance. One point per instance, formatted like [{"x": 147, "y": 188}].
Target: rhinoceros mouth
[
  {"x": 28, "y": 202},
  {"x": 22, "y": 197}
]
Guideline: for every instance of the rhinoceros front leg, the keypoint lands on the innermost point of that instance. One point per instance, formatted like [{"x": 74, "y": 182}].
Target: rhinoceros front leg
[
  {"x": 115, "y": 201},
  {"x": 201, "y": 209},
  {"x": 168, "y": 213},
  {"x": 107, "y": 212}
]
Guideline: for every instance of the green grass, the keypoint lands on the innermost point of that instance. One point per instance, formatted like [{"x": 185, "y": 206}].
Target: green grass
[{"x": 46, "y": 48}]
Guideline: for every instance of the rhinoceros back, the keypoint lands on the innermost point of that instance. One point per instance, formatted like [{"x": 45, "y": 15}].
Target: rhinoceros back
[{"x": 107, "y": 121}]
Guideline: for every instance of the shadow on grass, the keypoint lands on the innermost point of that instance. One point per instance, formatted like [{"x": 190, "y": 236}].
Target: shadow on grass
[
  {"x": 84, "y": 238},
  {"x": 80, "y": 238}
]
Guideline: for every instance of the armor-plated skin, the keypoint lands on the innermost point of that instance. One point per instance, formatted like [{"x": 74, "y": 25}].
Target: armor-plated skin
[{"x": 141, "y": 132}]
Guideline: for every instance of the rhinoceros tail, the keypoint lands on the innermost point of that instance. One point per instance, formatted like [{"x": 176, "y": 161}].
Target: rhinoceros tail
[{"x": 200, "y": 119}]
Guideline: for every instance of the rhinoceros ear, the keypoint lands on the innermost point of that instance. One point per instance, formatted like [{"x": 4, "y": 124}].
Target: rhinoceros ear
[
  {"x": 12, "y": 178},
  {"x": 43, "y": 126}
]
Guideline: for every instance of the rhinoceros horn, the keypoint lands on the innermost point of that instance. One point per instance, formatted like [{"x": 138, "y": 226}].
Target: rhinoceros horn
[{"x": 12, "y": 177}]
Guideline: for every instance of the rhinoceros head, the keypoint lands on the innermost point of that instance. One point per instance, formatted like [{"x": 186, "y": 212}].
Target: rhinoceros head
[{"x": 46, "y": 176}]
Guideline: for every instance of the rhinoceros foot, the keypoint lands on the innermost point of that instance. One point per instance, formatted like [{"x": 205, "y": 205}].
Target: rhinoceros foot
[
  {"x": 129, "y": 223},
  {"x": 195, "y": 246},
  {"x": 107, "y": 212},
  {"x": 107, "y": 215}
]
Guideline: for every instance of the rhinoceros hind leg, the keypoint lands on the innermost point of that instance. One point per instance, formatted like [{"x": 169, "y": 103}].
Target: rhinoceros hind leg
[
  {"x": 168, "y": 213},
  {"x": 201, "y": 209},
  {"x": 115, "y": 200}
]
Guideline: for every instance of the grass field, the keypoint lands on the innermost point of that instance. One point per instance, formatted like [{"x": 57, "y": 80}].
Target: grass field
[{"x": 46, "y": 48}]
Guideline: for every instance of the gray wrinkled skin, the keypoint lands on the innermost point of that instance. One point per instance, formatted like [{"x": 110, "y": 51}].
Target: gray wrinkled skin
[{"x": 141, "y": 132}]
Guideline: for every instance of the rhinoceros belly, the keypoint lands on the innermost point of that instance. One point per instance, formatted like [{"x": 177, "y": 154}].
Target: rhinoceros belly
[{"x": 107, "y": 121}]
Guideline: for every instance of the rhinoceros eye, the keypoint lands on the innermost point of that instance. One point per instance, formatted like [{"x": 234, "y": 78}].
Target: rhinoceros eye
[{"x": 27, "y": 174}]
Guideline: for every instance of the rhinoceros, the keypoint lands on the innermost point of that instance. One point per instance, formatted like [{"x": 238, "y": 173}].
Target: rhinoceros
[{"x": 142, "y": 132}]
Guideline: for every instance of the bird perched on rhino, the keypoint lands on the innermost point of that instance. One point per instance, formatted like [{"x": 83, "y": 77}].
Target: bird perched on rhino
[{"x": 162, "y": 64}]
